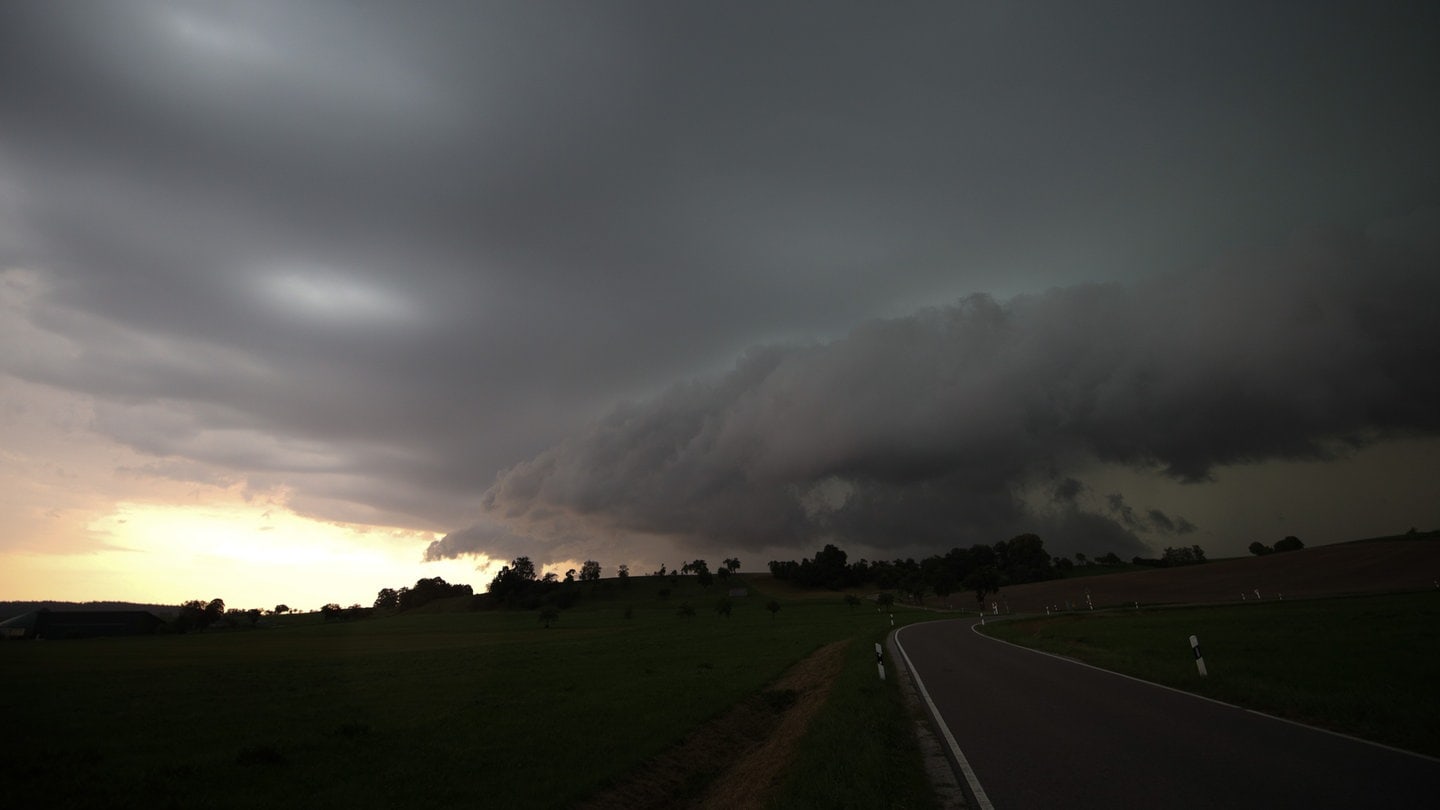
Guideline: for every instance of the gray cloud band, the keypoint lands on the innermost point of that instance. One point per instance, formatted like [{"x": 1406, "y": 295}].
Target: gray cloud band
[{"x": 924, "y": 430}]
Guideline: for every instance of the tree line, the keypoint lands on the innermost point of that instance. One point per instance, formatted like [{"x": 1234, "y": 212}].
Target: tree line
[
  {"x": 198, "y": 614},
  {"x": 1171, "y": 557},
  {"x": 1290, "y": 543},
  {"x": 424, "y": 592},
  {"x": 983, "y": 569},
  {"x": 518, "y": 585}
]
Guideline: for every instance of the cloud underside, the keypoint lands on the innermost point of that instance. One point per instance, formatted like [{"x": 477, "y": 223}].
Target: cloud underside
[{"x": 930, "y": 430}]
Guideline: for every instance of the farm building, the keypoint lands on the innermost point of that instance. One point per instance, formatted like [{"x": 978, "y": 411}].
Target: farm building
[{"x": 58, "y": 624}]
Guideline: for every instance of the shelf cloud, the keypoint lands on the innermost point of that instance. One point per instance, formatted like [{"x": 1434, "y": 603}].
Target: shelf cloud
[{"x": 927, "y": 429}]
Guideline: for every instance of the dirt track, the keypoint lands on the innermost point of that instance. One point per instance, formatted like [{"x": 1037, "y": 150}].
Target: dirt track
[
  {"x": 1347, "y": 568},
  {"x": 739, "y": 756}
]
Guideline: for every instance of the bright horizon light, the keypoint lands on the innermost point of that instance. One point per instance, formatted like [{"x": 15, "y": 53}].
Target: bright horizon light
[{"x": 249, "y": 554}]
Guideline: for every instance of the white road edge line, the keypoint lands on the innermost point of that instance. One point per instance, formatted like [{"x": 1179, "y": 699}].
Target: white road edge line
[
  {"x": 978, "y": 792},
  {"x": 974, "y": 628}
]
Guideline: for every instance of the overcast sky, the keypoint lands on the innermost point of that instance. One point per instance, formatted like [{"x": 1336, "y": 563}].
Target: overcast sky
[{"x": 650, "y": 281}]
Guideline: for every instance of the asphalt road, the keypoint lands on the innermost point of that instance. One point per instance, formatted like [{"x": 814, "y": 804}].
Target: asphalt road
[{"x": 1039, "y": 731}]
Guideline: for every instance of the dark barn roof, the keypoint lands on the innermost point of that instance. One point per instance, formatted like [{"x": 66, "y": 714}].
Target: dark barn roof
[{"x": 58, "y": 624}]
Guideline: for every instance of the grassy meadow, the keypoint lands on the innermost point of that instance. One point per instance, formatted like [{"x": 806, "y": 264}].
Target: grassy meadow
[
  {"x": 1364, "y": 665},
  {"x": 443, "y": 709}
]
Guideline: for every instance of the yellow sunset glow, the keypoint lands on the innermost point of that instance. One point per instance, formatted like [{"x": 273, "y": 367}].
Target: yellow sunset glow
[{"x": 249, "y": 554}]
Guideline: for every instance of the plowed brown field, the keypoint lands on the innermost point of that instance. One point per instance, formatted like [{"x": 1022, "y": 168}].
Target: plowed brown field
[{"x": 1374, "y": 566}]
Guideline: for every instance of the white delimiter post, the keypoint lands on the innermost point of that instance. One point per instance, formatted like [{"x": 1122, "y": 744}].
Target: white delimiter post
[
  {"x": 1199, "y": 659},
  {"x": 880, "y": 660}
]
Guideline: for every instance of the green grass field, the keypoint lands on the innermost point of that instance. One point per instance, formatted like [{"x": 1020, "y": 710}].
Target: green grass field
[
  {"x": 1366, "y": 666},
  {"x": 466, "y": 709}
]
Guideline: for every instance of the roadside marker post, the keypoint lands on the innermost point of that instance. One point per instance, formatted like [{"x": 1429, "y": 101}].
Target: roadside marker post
[
  {"x": 1199, "y": 659},
  {"x": 880, "y": 660}
]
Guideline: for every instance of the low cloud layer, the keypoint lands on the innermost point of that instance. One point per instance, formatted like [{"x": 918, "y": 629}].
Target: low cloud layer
[{"x": 928, "y": 430}]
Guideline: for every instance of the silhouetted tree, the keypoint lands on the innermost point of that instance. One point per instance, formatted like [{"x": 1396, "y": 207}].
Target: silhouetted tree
[
  {"x": 1290, "y": 543},
  {"x": 387, "y": 599},
  {"x": 214, "y": 610},
  {"x": 732, "y": 564},
  {"x": 523, "y": 568},
  {"x": 514, "y": 582},
  {"x": 1023, "y": 559},
  {"x": 623, "y": 572},
  {"x": 829, "y": 568},
  {"x": 1259, "y": 549},
  {"x": 590, "y": 571},
  {"x": 983, "y": 581},
  {"x": 786, "y": 570},
  {"x": 1183, "y": 556},
  {"x": 428, "y": 590},
  {"x": 282, "y": 608},
  {"x": 194, "y": 615}
]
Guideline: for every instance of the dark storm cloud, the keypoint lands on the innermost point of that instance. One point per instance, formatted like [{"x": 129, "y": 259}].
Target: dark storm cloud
[
  {"x": 1160, "y": 521},
  {"x": 378, "y": 253},
  {"x": 927, "y": 429},
  {"x": 1123, "y": 512},
  {"x": 1164, "y": 524},
  {"x": 1067, "y": 490}
]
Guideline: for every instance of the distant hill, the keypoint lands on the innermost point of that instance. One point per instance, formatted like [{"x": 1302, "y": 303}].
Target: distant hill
[
  {"x": 1376, "y": 565},
  {"x": 10, "y": 610},
  {"x": 1413, "y": 534}
]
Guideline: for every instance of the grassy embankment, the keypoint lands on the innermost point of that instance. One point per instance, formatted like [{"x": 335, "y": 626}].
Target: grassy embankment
[
  {"x": 1363, "y": 665},
  {"x": 484, "y": 709}
]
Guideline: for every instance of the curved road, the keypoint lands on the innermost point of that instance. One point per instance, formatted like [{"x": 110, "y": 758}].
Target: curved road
[{"x": 1038, "y": 731}]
